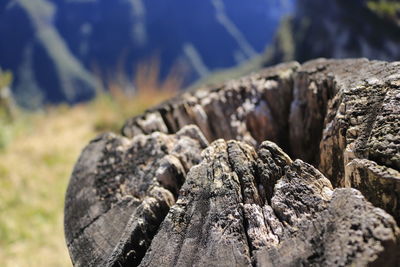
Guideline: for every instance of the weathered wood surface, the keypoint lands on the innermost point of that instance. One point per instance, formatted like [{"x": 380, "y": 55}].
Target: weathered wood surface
[{"x": 172, "y": 192}]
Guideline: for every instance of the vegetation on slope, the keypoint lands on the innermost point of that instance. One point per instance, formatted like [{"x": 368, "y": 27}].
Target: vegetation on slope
[{"x": 386, "y": 9}]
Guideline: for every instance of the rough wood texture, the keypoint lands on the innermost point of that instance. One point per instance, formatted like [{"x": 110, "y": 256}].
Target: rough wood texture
[
  {"x": 121, "y": 190},
  {"x": 163, "y": 196}
]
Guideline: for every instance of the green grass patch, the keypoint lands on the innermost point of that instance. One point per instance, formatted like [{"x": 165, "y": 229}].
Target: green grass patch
[{"x": 385, "y": 8}]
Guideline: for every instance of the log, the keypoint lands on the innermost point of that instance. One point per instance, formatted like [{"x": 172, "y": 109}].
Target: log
[{"x": 193, "y": 182}]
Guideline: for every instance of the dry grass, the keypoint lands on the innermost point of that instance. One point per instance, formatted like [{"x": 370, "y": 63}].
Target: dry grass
[
  {"x": 36, "y": 164},
  {"x": 34, "y": 171},
  {"x": 149, "y": 91}
]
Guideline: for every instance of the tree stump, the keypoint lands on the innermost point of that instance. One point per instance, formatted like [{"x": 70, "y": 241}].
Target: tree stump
[{"x": 193, "y": 182}]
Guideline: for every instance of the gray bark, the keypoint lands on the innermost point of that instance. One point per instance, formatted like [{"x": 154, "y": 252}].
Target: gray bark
[{"x": 173, "y": 192}]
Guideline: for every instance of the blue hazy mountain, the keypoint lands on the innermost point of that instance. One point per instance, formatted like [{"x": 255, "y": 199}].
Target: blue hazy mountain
[{"x": 54, "y": 47}]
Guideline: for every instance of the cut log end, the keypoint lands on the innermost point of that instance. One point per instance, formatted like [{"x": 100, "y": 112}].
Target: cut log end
[{"x": 175, "y": 192}]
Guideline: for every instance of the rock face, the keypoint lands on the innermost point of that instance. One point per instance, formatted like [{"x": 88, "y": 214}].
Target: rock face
[
  {"x": 337, "y": 29},
  {"x": 194, "y": 183}
]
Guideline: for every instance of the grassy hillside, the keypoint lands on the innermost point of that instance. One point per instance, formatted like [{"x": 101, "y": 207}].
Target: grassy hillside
[
  {"x": 34, "y": 171},
  {"x": 36, "y": 160}
]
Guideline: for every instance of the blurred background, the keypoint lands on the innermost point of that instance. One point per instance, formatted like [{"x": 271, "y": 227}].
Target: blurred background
[{"x": 70, "y": 69}]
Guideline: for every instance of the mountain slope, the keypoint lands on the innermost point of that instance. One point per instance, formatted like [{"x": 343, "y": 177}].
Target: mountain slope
[
  {"x": 338, "y": 29},
  {"x": 39, "y": 56},
  {"x": 54, "y": 47}
]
